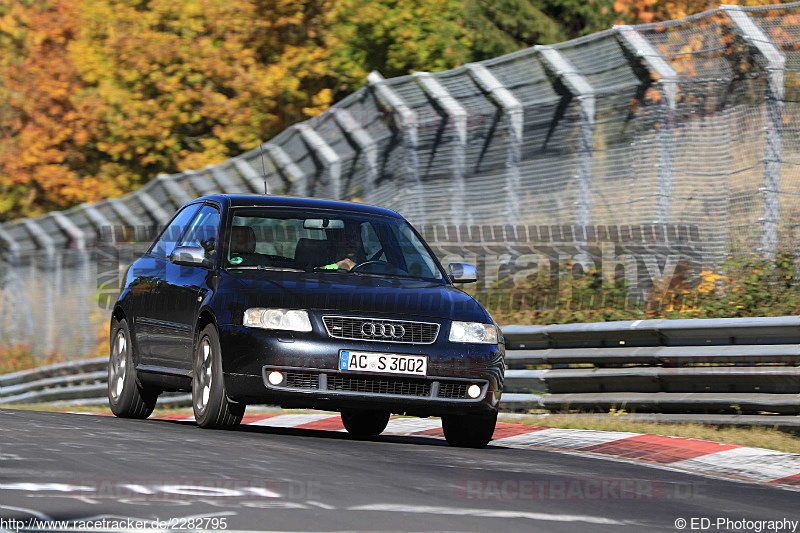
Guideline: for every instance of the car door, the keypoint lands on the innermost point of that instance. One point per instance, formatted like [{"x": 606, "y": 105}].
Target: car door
[
  {"x": 150, "y": 303},
  {"x": 184, "y": 288}
]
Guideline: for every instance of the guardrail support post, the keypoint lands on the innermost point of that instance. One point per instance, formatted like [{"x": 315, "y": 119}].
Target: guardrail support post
[
  {"x": 330, "y": 160},
  {"x": 407, "y": 122},
  {"x": 515, "y": 114},
  {"x": 776, "y": 64},
  {"x": 457, "y": 119},
  {"x": 580, "y": 88},
  {"x": 366, "y": 144},
  {"x": 667, "y": 79},
  {"x": 296, "y": 180}
]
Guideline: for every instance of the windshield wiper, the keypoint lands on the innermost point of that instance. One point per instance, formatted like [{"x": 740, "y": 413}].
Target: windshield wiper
[
  {"x": 265, "y": 267},
  {"x": 377, "y": 275}
]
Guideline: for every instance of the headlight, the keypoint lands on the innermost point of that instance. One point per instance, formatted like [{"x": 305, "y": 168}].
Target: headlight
[
  {"x": 285, "y": 319},
  {"x": 473, "y": 333}
]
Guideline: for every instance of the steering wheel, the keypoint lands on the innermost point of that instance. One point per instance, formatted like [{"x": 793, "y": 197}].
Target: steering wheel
[{"x": 373, "y": 262}]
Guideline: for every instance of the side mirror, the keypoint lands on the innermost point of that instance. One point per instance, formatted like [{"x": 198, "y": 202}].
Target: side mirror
[
  {"x": 463, "y": 273},
  {"x": 190, "y": 256}
]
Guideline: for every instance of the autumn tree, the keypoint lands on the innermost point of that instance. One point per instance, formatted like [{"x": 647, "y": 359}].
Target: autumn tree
[
  {"x": 646, "y": 11},
  {"x": 46, "y": 148},
  {"x": 99, "y": 96}
]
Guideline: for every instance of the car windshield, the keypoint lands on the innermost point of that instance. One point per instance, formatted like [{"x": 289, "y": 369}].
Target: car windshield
[{"x": 325, "y": 241}]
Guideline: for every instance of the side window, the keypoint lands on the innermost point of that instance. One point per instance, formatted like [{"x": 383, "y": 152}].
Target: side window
[
  {"x": 168, "y": 239},
  {"x": 203, "y": 231}
]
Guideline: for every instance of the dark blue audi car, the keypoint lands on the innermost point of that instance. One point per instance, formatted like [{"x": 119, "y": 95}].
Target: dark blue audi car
[{"x": 304, "y": 303}]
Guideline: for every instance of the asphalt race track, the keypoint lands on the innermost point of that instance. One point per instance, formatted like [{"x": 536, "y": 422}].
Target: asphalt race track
[{"x": 56, "y": 466}]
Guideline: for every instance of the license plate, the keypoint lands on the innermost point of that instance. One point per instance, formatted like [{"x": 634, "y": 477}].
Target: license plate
[{"x": 387, "y": 363}]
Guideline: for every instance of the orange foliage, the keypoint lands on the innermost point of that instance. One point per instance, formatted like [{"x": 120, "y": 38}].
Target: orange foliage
[
  {"x": 46, "y": 124},
  {"x": 102, "y": 95},
  {"x": 646, "y": 11}
]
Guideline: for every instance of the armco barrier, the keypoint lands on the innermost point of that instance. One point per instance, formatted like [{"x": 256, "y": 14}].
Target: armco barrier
[
  {"x": 78, "y": 382},
  {"x": 726, "y": 365}
]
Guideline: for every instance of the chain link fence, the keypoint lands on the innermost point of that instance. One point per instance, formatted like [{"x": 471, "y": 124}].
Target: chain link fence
[{"x": 649, "y": 133}]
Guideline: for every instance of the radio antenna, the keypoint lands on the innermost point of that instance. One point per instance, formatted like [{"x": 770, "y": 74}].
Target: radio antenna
[{"x": 263, "y": 168}]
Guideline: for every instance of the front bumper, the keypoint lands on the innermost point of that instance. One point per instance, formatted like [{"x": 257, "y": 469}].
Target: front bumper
[{"x": 309, "y": 362}]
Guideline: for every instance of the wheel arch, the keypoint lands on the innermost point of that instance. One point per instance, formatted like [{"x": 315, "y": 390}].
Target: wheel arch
[
  {"x": 205, "y": 318},
  {"x": 118, "y": 314}
]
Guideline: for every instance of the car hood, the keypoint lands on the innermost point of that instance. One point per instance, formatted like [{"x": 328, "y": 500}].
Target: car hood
[{"x": 348, "y": 294}]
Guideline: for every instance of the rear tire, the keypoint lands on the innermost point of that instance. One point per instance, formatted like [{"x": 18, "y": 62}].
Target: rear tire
[
  {"x": 365, "y": 423},
  {"x": 125, "y": 397},
  {"x": 212, "y": 409},
  {"x": 465, "y": 431}
]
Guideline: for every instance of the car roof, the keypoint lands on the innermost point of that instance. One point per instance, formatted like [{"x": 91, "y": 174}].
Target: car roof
[{"x": 257, "y": 200}]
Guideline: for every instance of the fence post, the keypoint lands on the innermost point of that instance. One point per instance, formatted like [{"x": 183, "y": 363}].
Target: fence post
[
  {"x": 174, "y": 190},
  {"x": 667, "y": 78},
  {"x": 46, "y": 242},
  {"x": 250, "y": 175},
  {"x": 225, "y": 184},
  {"x": 776, "y": 64},
  {"x": 457, "y": 117},
  {"x": 515, "y": 113},
  {"x": 107, "y": 279},
  {"x": 160, "y": 216},
  {"x": 407, "y": 122},
  {"x": 366, "y": 144},
  {"x": 580, "y": 88},
  {"x": 15, "y": 305},
  {"x": 82, "y": 278},
  {"x": 330, "y": 160},
  {"x": 99, "y": 220},
  {"x": 201, "y": 181},
  {"x": 294, "y": 177}
]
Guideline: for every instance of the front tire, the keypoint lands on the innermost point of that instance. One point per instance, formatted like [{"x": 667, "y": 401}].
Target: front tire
[
  {"x": 365, "y": 423},
  {"x": 125, "y": 397},
  {"x": 212, "y": 409},
  {"x": 465, "y": 431}
]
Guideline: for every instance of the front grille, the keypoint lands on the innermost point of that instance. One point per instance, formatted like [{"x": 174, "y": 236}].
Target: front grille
[
  {"x": 343, "y": 327},
  {"x": 302, "y": 380},
  {"x": 453, "y": 389},
  {"x": 397, "y": 386}
]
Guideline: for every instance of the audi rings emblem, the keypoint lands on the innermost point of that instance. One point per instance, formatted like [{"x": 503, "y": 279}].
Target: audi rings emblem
[{"x": 386, "y": 331}]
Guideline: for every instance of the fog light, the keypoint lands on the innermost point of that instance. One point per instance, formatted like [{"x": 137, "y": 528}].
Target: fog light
[
  {"x": 474, "y": 391},
  {"x": 275, "y": 377}
]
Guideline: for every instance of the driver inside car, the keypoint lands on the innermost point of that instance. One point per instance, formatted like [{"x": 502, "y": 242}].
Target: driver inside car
[{"x": 347, "y": 248}]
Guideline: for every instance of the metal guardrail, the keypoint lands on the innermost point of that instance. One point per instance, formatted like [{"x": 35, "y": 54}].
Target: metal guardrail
[
  {"x": 78, "y": 382},
  {"x": 727, "y": 365}
]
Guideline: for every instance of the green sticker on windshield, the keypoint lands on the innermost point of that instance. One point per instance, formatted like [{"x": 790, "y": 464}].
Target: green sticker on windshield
[{"x": 236, "y": 260}]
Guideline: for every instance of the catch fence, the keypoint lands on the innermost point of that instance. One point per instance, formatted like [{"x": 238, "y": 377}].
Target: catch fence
[{"x": 636, "y": 131}]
